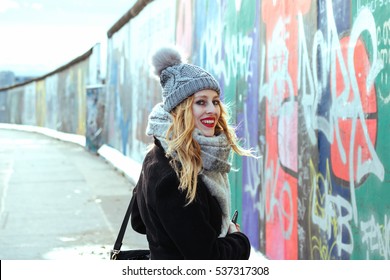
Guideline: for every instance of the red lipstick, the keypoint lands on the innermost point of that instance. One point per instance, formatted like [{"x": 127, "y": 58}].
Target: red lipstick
[{"x": 208, "y": 122}]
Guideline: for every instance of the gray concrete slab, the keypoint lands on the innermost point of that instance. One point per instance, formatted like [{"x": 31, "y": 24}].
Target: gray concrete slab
[{"x": 58, "y": 201}]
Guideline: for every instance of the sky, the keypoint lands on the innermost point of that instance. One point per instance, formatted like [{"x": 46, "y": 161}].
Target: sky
[{"x": 39, "y": 36}]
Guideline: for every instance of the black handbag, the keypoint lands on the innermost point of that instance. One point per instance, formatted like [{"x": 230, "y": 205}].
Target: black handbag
[{"x": 135, "y": 254}]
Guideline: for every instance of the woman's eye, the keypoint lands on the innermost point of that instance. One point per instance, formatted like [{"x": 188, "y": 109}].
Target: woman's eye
[
  {"x": 216, "y": 102},
  {"x": 200, "y": 102}
]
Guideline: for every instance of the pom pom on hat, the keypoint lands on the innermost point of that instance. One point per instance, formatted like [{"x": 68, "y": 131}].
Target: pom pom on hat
[
  {"x": 179, "y": 80},
  {"x": 164, "y": 58}
]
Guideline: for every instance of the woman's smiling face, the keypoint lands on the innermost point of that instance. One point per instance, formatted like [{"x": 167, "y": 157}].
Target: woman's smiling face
[{"x": 206, "y": 110}]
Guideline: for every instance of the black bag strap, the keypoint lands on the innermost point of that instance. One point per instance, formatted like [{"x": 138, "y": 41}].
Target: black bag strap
[{"x": 121, "y": 234}]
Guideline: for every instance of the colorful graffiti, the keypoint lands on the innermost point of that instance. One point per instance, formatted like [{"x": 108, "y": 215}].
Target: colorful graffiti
[
  {"x": 308, "y": 87},
  {"x": 132, "y": 92},
  {"x": 309, "y": 98},
  {"x": 327, "y": 82}
]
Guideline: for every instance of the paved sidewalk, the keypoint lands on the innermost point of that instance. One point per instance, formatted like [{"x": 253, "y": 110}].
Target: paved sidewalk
[{"x": 57, "y": 201}]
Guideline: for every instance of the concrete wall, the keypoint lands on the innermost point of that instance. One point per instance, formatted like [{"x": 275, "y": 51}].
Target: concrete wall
[
  {"x": 56, "y": 100},
  {"x": 308, "y": 82},
  {"x": 131, "y": 92}
]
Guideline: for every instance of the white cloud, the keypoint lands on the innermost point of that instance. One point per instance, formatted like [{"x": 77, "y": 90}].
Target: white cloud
[{"x": 6, "y": 5}]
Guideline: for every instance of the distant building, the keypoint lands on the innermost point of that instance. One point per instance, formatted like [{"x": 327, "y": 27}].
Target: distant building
[{"x": 7, "y": 78}]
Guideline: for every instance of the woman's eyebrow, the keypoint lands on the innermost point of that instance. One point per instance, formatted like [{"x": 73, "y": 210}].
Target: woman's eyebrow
[
  {"x": 201, "y": 96},
  {"x": 205, "y": 96}
]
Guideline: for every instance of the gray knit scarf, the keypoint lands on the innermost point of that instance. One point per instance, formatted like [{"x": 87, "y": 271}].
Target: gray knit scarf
[{"x": 214, "y": 152}]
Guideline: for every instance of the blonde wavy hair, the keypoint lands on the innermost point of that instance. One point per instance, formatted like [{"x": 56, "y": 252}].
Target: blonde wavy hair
[{"x": 187, "y": 161}]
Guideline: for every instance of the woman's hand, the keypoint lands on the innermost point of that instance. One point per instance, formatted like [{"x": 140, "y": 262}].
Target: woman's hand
[{"x": 233, "y": 228}]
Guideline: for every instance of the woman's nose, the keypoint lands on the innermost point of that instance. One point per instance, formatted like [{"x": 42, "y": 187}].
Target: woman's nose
[{"x": 211, "y": 108}]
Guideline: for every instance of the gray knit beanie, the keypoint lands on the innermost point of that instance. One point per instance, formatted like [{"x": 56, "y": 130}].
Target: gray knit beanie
[{"x": 179, "y": 80}]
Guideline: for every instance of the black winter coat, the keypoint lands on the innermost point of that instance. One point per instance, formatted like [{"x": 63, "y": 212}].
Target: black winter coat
[{"x": 176, "y": 231}]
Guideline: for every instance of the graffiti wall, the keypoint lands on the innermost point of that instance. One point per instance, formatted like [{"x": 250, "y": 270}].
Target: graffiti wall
[
  {"x": 56, "y": 100},
  {"x": 308, "y": 86},
  {"x": 132, "y": 92}
]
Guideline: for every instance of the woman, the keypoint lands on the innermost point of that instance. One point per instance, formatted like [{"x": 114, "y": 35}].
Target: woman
[{"x": 183, "y": 195}]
